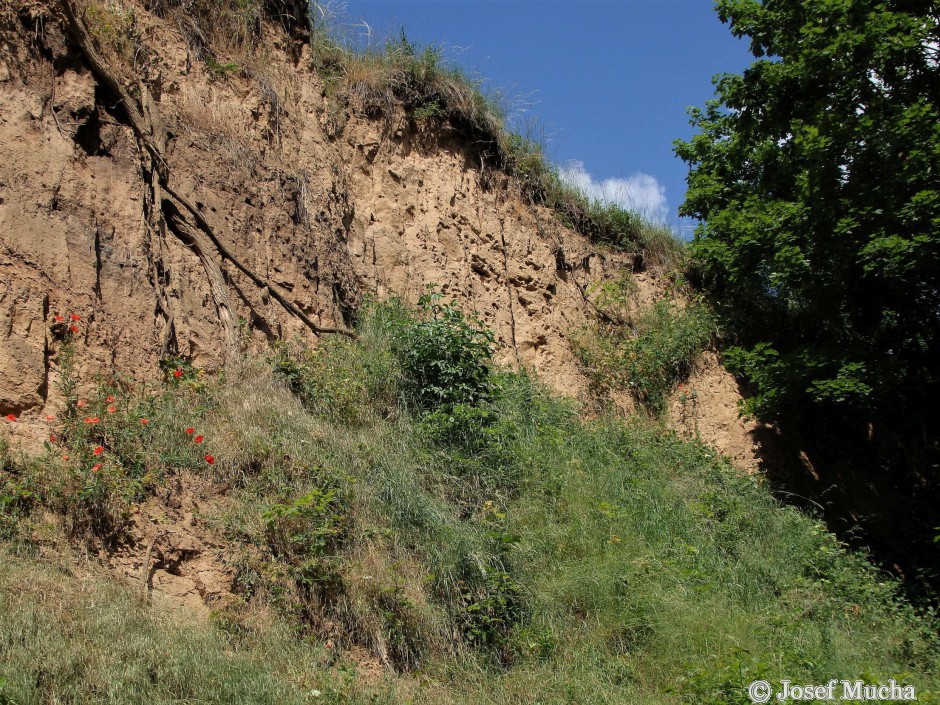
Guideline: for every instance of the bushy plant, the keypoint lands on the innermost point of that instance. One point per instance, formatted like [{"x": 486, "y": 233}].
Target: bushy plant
[
  {"x": 650, "y": 358},
  {"x": 308, "y": 526},
  {"x": 445, "y": 356}
]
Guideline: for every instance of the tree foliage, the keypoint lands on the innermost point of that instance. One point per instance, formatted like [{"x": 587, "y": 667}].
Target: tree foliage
[{"x": 816, "y": 176}]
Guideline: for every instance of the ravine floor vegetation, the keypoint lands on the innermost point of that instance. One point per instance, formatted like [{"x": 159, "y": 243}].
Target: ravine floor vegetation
[{"x": 477, "y": 535}]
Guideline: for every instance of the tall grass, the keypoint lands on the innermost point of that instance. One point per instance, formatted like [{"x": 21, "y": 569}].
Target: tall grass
[
  {"x": 65, "y": 638},
  {"x": 497, "y": 551}
]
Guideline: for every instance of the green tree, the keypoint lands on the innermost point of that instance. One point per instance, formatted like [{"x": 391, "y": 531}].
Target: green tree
[{"x": 816, "y": 178}]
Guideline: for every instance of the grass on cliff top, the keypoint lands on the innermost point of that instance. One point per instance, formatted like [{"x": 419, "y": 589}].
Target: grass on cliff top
[
  {"x": 432, "y": 89},
  {"x": 399, "y": 495}
]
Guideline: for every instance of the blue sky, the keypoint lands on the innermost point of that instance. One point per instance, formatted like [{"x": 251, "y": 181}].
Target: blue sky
[{"x": 609, "y": 81}]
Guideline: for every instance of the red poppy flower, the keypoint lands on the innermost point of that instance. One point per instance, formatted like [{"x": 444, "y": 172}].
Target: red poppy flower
[
  {"x": 50, "y": 418},
  {"x": 177, "y": 373},
  {"x": 52, "y": 438},
  {"x": 198, "y": 439},
  {"x": 58, "y": 318},
  {"x": 190, "y": 431},
  {"x": 73, "y": 328},
  {"x": 92, "y": 419},
  {"x": 96, "y": 468},
  {"x": 112, "y": 409},
  {"x": 210, "y": 459},
  {"x": 99, "y": 450},
  {"x": 11, "y": 417},
  {"x": 75, "y": 317},
  {"x": 65, "y": 457},
  {"x": 81, "y": 404},
  {"x": 109, "y": 398},
  {"x": 145, "y": 420}
]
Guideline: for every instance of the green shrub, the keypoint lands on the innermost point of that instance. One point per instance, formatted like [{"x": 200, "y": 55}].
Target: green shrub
[
  {"x": 306, "y": 527},
  {"x": 651, "y": 358},
  {"x": 445, "y": 357}
]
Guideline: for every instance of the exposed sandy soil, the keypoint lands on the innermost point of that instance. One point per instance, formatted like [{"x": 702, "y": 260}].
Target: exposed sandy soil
[
  {"x": 708, "y": 408},
  {"x": 323, "y": 216},
  {"x": 169, "y": 552}
]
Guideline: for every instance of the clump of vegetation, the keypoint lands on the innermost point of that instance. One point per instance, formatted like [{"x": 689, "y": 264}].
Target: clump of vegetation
[
  {"x": 491, "y": 547},
  {"x": 444, "y": 357},
  {"x": 650, "y": 356}
]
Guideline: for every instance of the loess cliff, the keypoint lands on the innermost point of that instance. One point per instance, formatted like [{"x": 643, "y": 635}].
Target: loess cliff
[{"x": 194, "y": 206}]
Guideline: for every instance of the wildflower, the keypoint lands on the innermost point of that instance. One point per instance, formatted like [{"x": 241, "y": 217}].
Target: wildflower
[
  {"x": 177, "y": 373},
  {"x": 92, "y": 419},
  {"x": 109, "y": 398},
  {"x": 73, "y": 328},
  {"x": 11, "y": 417},
  {"x": 190, "y": 431},
  {"x": 75, "y": 317},
  {"x": 210, "y": 459},
  {"x": 99, "y": 450},
  {"x": 52, "y": 438},
  {"x": 145, "y": 421},
  {"x": 112, "y": 409},
  {"x": 58, "y": 318},
  {"x": 96, "y": 468},
  {"x": 198, "y": 439},
  {"x": 65, "y": 457},
  {"x": 81, "y": 404},
  {"x": 50, "y": 418}
]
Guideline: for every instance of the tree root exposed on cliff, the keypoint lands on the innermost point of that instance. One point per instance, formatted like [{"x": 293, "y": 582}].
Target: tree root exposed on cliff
[{"x": 145, "y": 121}]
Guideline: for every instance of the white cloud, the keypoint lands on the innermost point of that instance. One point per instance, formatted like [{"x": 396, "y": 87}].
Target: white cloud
[{"x": 641, "y": 192}]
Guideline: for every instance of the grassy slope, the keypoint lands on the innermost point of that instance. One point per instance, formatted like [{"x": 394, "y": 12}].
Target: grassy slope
[
  {"x": 501, "y": 551},
  {"x": 504, "y": 551}
]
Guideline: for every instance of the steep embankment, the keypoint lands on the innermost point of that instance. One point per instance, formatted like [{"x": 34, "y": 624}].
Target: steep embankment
[
  {"x": 282, "y": 204},
  {"x": 371, "y": 511}
]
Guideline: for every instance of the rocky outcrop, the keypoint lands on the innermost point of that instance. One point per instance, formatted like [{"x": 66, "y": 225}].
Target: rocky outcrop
[{"x": 318, "y": 217}]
